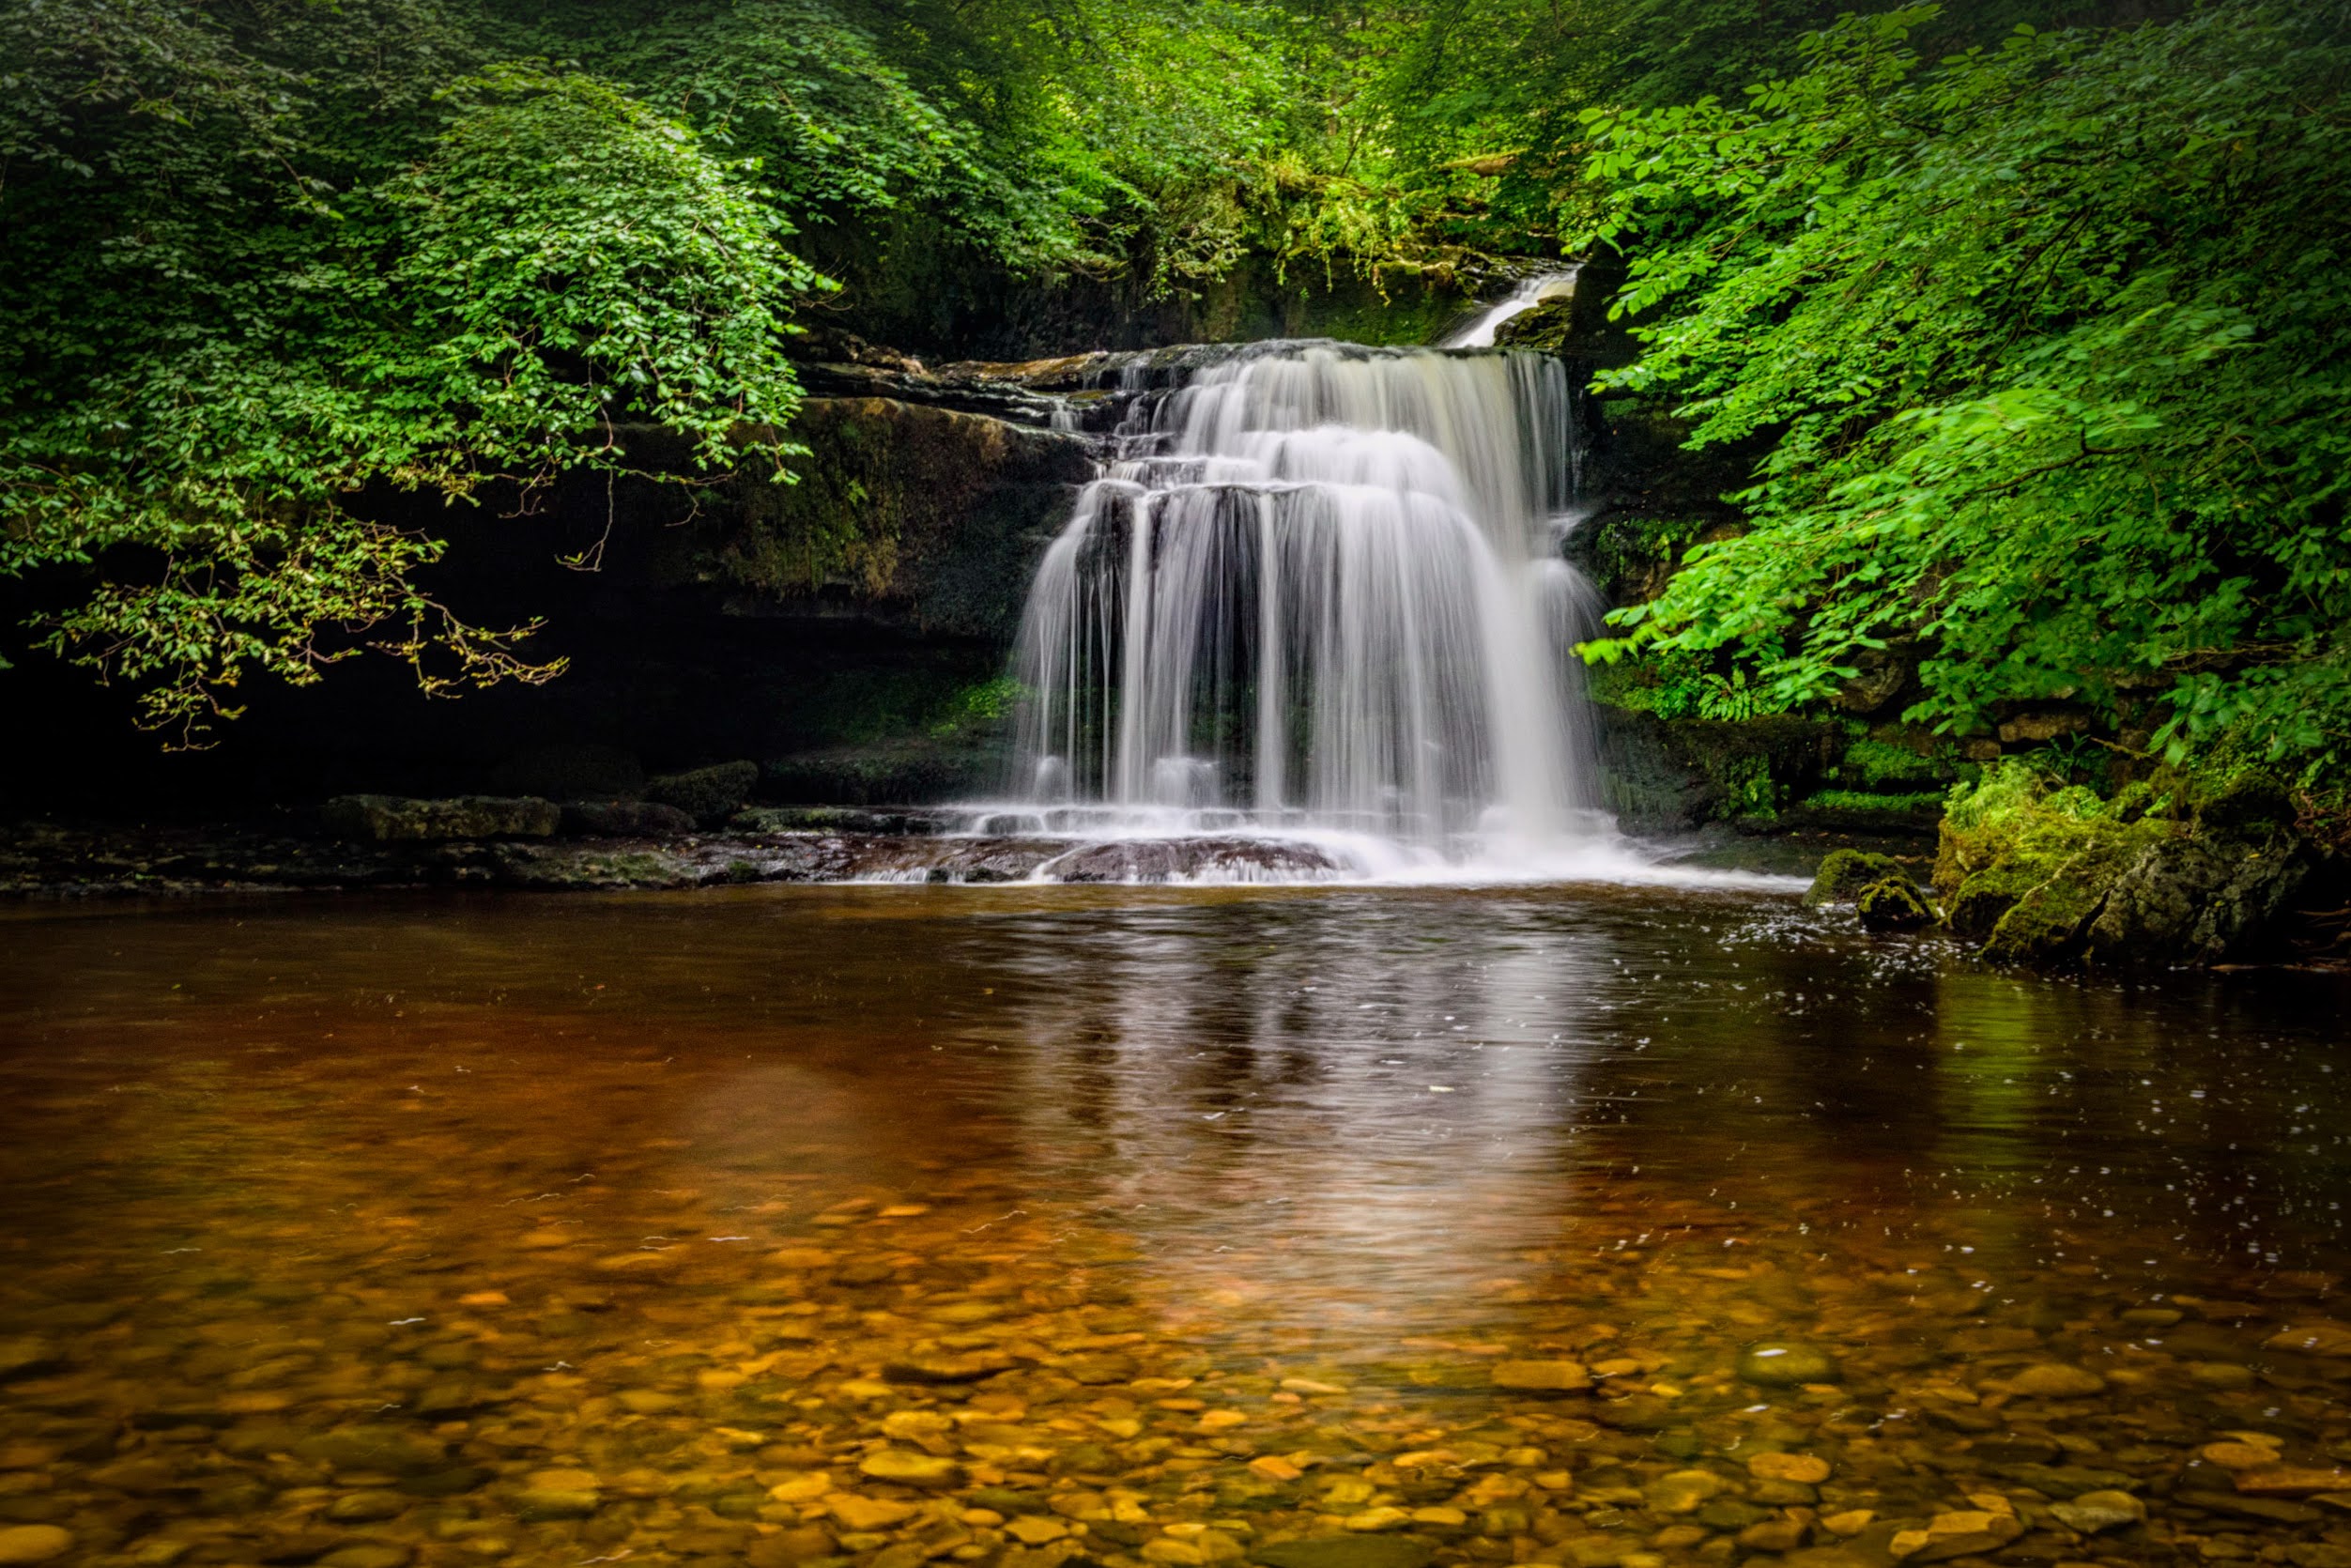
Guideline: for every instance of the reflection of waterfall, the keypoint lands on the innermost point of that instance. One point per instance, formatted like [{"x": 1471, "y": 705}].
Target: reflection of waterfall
[
  {"x": 1526, "y": 297},
  {"x": 1321, "y": 589}
]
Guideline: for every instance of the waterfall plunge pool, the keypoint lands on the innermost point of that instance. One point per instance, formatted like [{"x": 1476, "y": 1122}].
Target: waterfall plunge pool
[{"x": 1319, "y": 1226}]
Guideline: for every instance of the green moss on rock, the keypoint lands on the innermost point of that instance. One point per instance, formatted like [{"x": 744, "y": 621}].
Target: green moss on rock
[
  {"x": 2047, "y": 876},
  {"x": 1894, "y": 904},
  {"x": 1844, "y": 873}
]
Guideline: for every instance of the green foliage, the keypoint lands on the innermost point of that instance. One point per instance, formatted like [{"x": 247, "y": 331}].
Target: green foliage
[
  {"x": 1881, "y": 766},
  {"x": 255, "y": 292},
  {"x": 2050, "y": 338},
  {"x": 1868, "y": 801}
]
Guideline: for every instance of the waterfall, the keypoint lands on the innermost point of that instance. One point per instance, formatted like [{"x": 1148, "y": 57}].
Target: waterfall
[
  {"x": 1526, "y": 297},
  {"x": 1320, "y": 588}
]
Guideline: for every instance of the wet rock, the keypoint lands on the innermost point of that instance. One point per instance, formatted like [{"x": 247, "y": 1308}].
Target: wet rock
[
  {"x": 624, "y": 819},
  {"x": 1844, "y": 873},
  {"x": 2313, "y": 1339},
  {"x": 1682, "y": 1491},
  {"x": 1785, "y": 1363},
  {"x": 1802, "y": 1469},
  {"x": 396, "y": 819},
  {"x": 389, "y": 1450},
  {"x": 27, "y": 1356},
  {"x": 1344, "y": 1551},
  {"x": 868, "y": 1514},
  {"x": 2271, "y": 1510},
  {"x": 366, "y": 1554},
  {"x": 1541, "y": 1377},
  {"x": 367, "y": 1507},
  {"x": 23, "y": 1545},
  {"x": 2094, "y": 1512},
  {"x": 559, "y": 1494},
  {"x": 1774, "y": 1535},
  {"x": 837, "y": 819},
  {"x": 1894, "y": 904},
  {"x": 2292, "y": 1481},
  {"x": 2054, "y": 1380},
  {"x": 806, "y": 1544},
  {"x": 902, "y": 1468},
  {"x": 942, "y": 1367},
  {"x": 1189, "y": 860},
  {"x": 709, "y": 795},
  {"x": 1961, "y": 1532}
]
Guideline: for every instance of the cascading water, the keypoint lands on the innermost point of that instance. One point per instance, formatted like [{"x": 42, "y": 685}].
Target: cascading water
[
  {"x": 1319, "y": 592},
  {"x": 1479, "y": 332}
]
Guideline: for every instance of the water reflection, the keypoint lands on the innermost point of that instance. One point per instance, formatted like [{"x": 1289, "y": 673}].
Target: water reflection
[{"x": 702, "y": 1198}]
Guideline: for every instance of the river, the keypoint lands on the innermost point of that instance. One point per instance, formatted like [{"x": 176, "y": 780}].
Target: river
[{"x": 1327, "y": 1227}]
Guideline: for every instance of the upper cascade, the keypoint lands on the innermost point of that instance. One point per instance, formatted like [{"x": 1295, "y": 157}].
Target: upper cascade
[{"x": 1319, "y": 587}]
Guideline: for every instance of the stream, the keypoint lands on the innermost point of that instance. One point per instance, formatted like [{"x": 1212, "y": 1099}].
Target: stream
[{"x": 1323, "y": 1227}]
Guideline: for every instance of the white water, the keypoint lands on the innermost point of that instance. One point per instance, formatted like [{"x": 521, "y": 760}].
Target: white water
[
  {"x": 1319, "y": 596},
  {"x": 1526, "y": 297}
]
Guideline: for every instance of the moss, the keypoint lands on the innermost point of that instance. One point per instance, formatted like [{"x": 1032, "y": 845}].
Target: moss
[
  {"x": 1976, "y": 907},
  {"x": 1853, "y": 800},
  {"x": 1882, "y": 767},
  {"x": 1845, "y": 872},
  {"x": 1894, "y": 904},
  {"x": 1630, "y": 554}
]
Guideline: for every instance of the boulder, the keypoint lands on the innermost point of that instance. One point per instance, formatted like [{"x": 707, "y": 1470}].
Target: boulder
[
  {"x": 398, "y": 818},
  {"x": 709, "y": 795},
  {"x": 1191, "y": 859},
  {"x": 1844, "y": 873},
  {"x": 1894, "y": 904}
]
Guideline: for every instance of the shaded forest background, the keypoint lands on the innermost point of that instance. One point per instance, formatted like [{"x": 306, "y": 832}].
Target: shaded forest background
[{"x": 2035, "y": 309}]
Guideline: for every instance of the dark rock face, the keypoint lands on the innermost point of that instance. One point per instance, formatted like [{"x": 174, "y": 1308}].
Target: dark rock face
[
  {"x": 708, "y": 795},
  {"x": 1190, "y": 859},
  {"x": 394, "y": 818},
  {"x": 923, "y": 514},
  {"x": 624, "y": 819},
  {"x": 1669, "y": 774}
]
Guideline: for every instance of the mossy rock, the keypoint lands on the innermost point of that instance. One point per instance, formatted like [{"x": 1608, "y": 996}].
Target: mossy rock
[
  {"x": 1894, "y": 904},
  {"x": 709, "y": 795},
  {"x": 1889, "y": 768},
  {"x": 397, "y": 819},
  {"x": 2249, "y": 803},
  {"x": 1845, "y": 873},
  {"x": 1983, "y": 898}
]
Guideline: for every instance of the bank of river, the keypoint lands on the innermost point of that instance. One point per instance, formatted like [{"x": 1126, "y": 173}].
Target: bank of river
[{"x": 1328, "y": 1228}]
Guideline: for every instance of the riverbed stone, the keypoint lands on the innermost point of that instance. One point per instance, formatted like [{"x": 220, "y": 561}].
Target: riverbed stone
[
  {"x": 26, "y": 1355},
  {"x": 903, "y": 1468},
  {"x": 367, "y": 1507},
  {"x": 1344, "y": 1551},
  {"x": 2094, "y": 1512},
  {"x": 22, "y": 1545},
  {"x": 1541, "y": 1377},
  {"x": 1786, "y": 1363},
  {"x": 1682, "y": 1491},
  {"x": 2055, "y": 1380},
  {"x": 391, "y": 1450},
  {"x": 1802, "y": 1469}
]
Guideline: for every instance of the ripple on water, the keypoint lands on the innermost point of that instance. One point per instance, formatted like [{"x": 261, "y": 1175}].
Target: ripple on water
[{"x": 1326, "y": 1229}]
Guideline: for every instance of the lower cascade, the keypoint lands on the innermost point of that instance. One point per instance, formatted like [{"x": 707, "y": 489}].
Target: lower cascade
[{"x": 1319, "y": 593}]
